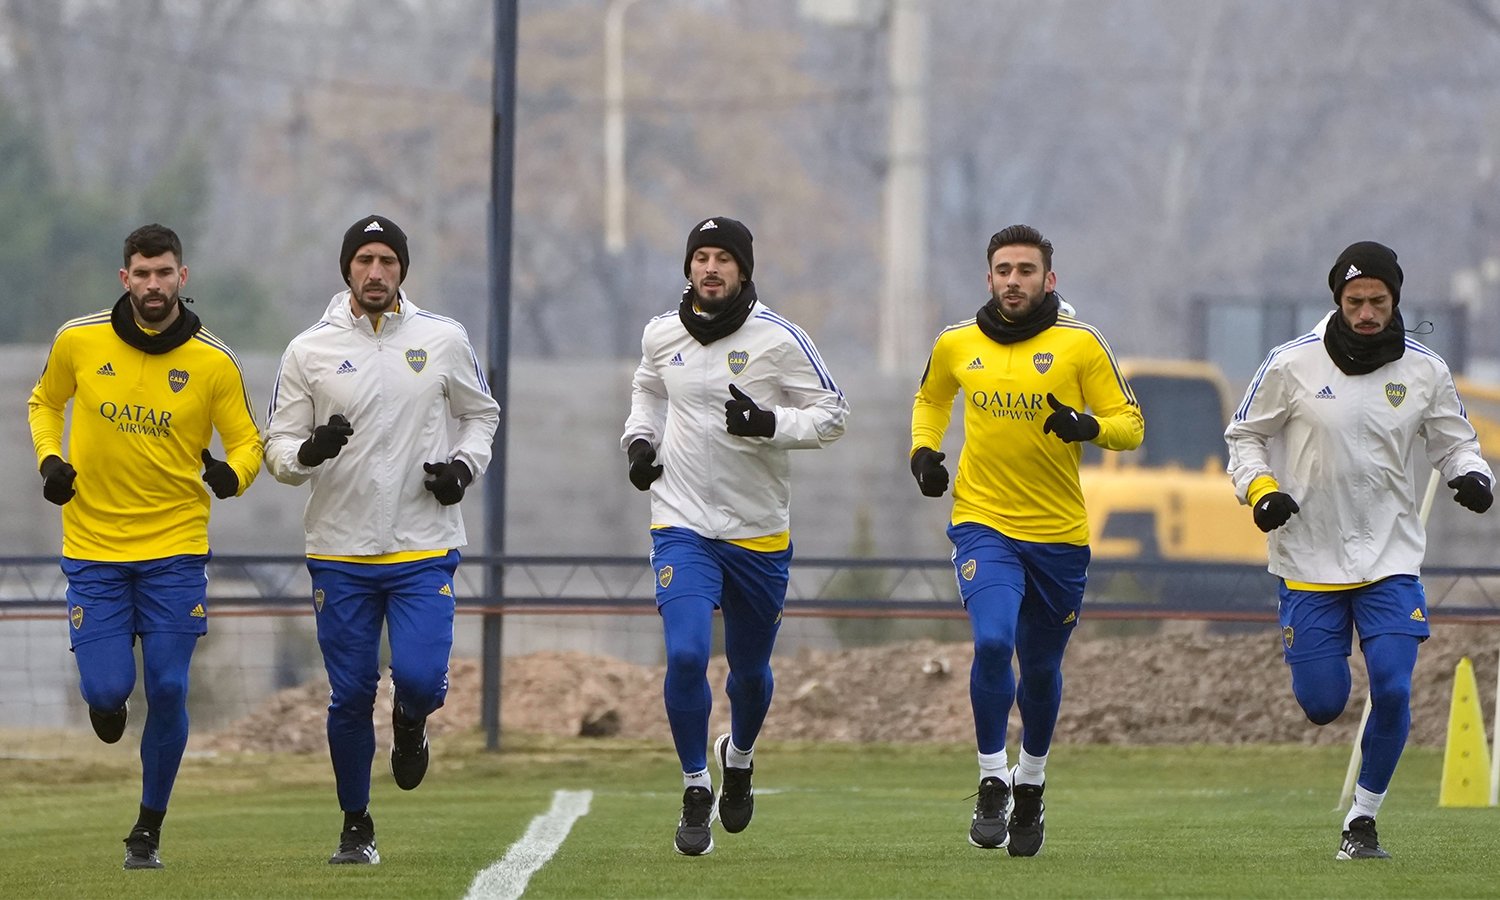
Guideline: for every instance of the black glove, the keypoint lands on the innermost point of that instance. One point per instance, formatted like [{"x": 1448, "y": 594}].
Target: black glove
[
  {"x": 643, "y": 470},
  {"x": 1273, "y": 510},
  {"x": 448, "y": 480},
  {"x": 57, "y": 480},
  {"x": 326, "y": 441},
  {"x": 1473, "y": 491},
  {"x": 1068, "y": 423},
  {"x": 744, "y": 418},
  {"x": 927, "y": 467},
  {"x": 219, "y": 475}
]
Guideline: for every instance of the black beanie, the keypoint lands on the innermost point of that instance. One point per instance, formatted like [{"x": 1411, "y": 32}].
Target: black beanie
[
  {"x": 373, "y": 230},
  {"x": 727, "y": 234},
  {"x": 1366, "y": 259}
]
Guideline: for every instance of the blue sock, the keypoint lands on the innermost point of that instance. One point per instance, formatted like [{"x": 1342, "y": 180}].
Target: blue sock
[
  {"x": 1039, "y": 652},
  {"x": 106, "y": 671},
  {"x": 992, "y": 684}
]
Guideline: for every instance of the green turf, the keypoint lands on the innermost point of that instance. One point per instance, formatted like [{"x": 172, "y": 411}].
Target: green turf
[{"x": 831, "y": 821}]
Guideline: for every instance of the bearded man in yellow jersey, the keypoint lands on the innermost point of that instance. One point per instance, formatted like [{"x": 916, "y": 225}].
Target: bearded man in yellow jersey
[
  {"x": 1027, "y": 373},
  {"x": 149, "y": 386}
]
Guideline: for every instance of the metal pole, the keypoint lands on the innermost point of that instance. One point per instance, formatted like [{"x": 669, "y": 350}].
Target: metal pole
[
  {"x": 904, "y": 320},
  {"x": 502, "y": 178},
  {"x": 615, "y": 244}
]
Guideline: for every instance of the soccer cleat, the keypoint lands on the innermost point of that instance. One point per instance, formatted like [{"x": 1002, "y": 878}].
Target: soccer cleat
[
  {"x": 695, "y": 833},
  {"x": 357, "y": 845},
  {"x": 109, "y": 725},
  {"x": 1027, "y": 817},
  {"x": 988, "y": 830},
  {"x": 140, "y": 849},
  {"x": 736, "y": 797},
  {"x": 1360, "y": 841},
  {"x": 409, "y": 752}
]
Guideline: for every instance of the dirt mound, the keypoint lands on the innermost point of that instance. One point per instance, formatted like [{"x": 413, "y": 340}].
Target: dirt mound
[{"x": 1175, "y": 687}]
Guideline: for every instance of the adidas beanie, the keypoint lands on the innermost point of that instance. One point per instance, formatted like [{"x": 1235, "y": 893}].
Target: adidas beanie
[
  {"x": 1366, "y": 259},
  {"x": 373, "y": 230},
  {"x": 724, "y": 233}
]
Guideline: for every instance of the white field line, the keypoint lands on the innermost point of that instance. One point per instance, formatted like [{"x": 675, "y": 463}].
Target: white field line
[{"x": 507, "y": 879}]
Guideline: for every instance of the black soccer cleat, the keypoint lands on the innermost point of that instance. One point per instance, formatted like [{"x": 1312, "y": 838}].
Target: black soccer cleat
[
  {"x": 109, "y": 725},
  {"x": 695, "y": 833},
  {"x": 140, "y": 848},
  {"x": 988, "y": 830},
  {"x": 357, "y": 845},
  {"x": 409, "y": 752},
  {"x": 736, "y": 797},
  {"x": 1360, "y": 841},
  {"x": 1027, "y": 819}
]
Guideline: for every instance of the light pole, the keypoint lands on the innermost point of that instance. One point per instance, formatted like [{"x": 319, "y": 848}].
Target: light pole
[{"x": 614, "y": 172}]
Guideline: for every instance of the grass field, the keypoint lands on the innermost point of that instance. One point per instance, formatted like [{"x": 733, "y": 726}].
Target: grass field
[{"x": 831, "y": 820}]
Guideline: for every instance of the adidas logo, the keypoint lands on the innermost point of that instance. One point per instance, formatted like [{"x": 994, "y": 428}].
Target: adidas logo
[
  {"x": 1325, "y": 394},
  {"x": 676, "y": 360},
  {"x": 1353, "y": 272},
  {"x": 373, "y": 226},
  {"x": 198, "y": 612},
  {"x": 1416, "y": 616},
  {"x": 710, "y": 225},
  {"x": 1071, "y": 617},
  {"x": 345, "y": 369},
  {"x": 445, "y": 591},
  {"x": 976, "y": 364},
  {"x": 106, "y": 369}
]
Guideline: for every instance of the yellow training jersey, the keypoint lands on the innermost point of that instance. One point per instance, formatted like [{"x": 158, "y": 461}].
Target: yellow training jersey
[
  {"x": 1011, "y": 476},
  {"x": 140, "y": 424}
]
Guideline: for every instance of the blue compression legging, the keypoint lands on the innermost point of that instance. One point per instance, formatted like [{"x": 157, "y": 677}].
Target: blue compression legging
[
  {"x": 106, "y": 669},
  {"x": 998, "y": 634},
  {"x": 1322, "y": 689},
  {"x": 687, "y": 623}
]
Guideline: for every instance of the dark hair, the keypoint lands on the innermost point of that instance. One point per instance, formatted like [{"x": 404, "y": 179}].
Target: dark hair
[
  {"x": 1020, "y": 234},
  {"x": 152, "y": 240}
]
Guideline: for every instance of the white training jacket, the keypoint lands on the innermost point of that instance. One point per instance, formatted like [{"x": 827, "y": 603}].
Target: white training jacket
[
  {"x": 414, "y": 393},
  {"x": 720, "y": 485},
  {"x": 1342, "y": 446}
]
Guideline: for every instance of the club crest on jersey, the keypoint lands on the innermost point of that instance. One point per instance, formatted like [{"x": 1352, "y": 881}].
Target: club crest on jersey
[
  {"x": 75, "y": 615},
  {"x": 1396, "y": 393},
  {"x": 417, "y": 359},
  {"x": 738, "y": 359},
  {"x": 177, "y": 379},
  {"x": 318, "y": 599},
  {"x": 1042, "y": 361},
  {"x": 664, "y": 577},
  {"x": 968, "y": 569},
  {"x": 1286, "y": 636}
]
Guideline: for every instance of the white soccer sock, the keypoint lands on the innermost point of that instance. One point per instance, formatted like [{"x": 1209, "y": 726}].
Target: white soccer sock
[
  {"x": 697, "y": 779},
  {"x": 1031, "y": 769},
  {"x": 993, "y": 765},
  {"x": 735, "y": 758},
  {"x": 1366, "y": 803}
]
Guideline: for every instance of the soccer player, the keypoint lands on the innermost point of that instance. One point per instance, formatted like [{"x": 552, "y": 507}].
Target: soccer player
[
  {"x": 1020, "y": 534},
  {"x": 383, "y": 406},
  {"x": 1340, "y": 410},
  {"x": 149, "y": 386},
  {"x": 724, "y": 389}
]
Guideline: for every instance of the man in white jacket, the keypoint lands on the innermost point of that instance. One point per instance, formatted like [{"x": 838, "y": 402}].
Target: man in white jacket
[
  {"x": 724, "y": 389},
  {"x": 1321, "y": 449},
  {"x": 364, "y": 404}
]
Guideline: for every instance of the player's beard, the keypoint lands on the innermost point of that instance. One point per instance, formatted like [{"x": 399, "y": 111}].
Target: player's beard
[
  {"x": 154, "y": 315},
  {"x": 1032, "y": 302},
  {"x": 384, "y": 300},
  {"x": 714, "y": 306}
]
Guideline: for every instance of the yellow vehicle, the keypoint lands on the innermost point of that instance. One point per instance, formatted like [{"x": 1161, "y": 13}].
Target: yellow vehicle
[{"x": 1171, "y": 498}]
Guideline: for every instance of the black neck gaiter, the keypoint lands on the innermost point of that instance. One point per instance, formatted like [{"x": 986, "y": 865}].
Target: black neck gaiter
[
  {"x": 122, "y": 317},
  {"x": 707, "y": 329},
  {"x": 1003, "y": 331},
  {"x": 1361, "y": 354}
]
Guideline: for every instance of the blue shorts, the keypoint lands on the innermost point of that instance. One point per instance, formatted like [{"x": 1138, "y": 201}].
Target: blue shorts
[
  {"x": 743, "y": 583},
  {"x": 1047, "y": 578},
  {"x": 1319, "y": 624},
  {"x": 106, "y": 599}
]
